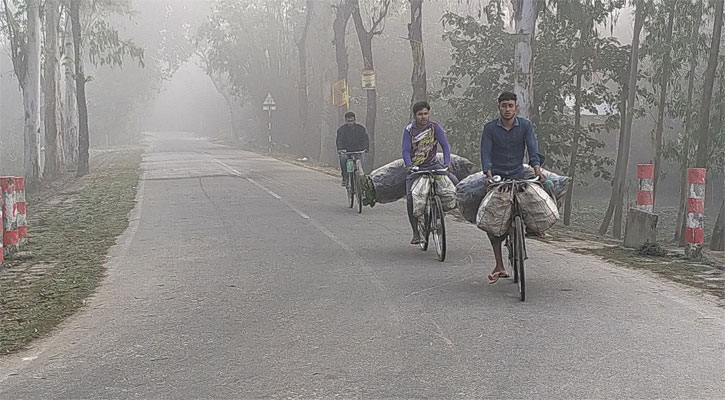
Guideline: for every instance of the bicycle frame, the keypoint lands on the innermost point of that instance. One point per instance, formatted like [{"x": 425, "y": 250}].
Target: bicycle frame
[{"x": 429, "y": 217}]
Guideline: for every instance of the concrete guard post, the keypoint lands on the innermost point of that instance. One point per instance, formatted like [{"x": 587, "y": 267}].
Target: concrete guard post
[
  {"x": 22, "y": 212},
  {"x": 10, "y": 222},
  {"x": 641, "y": 225},
  {"x": 695, "y": 227}
]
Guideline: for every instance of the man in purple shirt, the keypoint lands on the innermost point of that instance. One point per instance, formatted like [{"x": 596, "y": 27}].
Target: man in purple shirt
[
  {"x": 420, "y": 147},
  {"x": 503, "y": 143}
]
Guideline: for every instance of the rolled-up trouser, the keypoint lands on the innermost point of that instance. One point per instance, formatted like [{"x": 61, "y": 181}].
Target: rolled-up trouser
[{"x": 410, "y": 179}]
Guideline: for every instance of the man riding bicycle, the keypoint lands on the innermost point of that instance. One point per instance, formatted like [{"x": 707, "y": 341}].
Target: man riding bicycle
[
  {"x": 351, "y": 137},
  {"x": 503, "y": 143},
  {"x": 420, "y": 147}
]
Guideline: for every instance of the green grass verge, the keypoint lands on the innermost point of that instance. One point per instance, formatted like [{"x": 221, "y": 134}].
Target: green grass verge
[
  {"x": 68, "y": 245},
  {"x": 702, "y": 276}
]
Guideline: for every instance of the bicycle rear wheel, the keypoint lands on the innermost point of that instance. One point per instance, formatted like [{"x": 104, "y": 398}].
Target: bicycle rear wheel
[
  {"x": 359, "y": 192},
  {"x": 351, "y": 189},
  {"x": 519, "y": 256},
  {"x": 438, "y": 229}
]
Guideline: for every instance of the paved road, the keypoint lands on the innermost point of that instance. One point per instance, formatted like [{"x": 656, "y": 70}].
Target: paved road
[{"x": 245, "y": 277}]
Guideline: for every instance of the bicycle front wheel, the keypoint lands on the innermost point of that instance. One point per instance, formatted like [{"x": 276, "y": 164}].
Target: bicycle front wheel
[
  {"x": 359, "y": 193},
  {"x": 519, "y": 256},
  {"x": 351, "y": 189},
  {"x": 438, "y": 229}
]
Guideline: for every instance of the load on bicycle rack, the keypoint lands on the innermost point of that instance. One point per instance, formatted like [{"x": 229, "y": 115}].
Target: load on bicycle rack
[
  {"x": 511, "y": 206},
  {"x": 433, "y": 195}
]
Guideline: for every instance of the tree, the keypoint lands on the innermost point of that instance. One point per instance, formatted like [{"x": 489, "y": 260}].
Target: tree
[
  {"x": 25, "y": 53},
  {"x": 303, "y": 85},
  {"x": 683, "y": 107},
  {"x": 616, "y": 201},
  {"x": 701, "y": 156},
  {"x": 69, "y": 109},
  {"x": 54, "y": 153},
  {"x": 481, "y": 67},
  {"x": 525, "y": 14},
  {"x": 664, "y": 59},
  {"x": 588, "y": 64},
  {"x": 83, "y": 139},
  {"x": 104, "y": 47},
  {"x": 418, "y": 77},
  {"x": 343, "y": 11},
  {"x": 365, "y": 37}
]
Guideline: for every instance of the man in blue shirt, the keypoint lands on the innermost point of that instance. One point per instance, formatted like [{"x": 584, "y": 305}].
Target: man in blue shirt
[
  {"x": 420, "y": 147},
  {"x": 503, "y": 143}
]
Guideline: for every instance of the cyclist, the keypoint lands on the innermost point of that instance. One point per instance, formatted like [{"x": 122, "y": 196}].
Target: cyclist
[
  {"x": 351, "y": 137},
  {"x": 421, "y": 139},
  {"x": 503, "y": 143}
]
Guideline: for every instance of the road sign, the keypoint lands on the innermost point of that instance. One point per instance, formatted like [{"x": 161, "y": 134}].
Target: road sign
[
  {"x": 269, "y": 104},
  {"x": 339, "y": 93},
  {"x": 368, "y": 79}
]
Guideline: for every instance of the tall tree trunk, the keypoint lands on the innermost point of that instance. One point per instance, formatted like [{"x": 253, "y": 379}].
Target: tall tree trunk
[
  {"x": 69, "y": 111},
  {"x": 83, "y": 134},
  {"x": 365, "y": 38},
  {"x": 717, "y": 240},
  {"x": 664, "y": 81},
  {"x": 31, "y": 95},
  {"x": 687, "y": 131},
  {"x": 705, "y": 105},
  {"x": 616, "y": 187},
  {"x": 303, "y": 84},
  {"x": 51, "y": 87},
  {"x": 577, "y": 127},
  {"x": 525, "y": 13},
  {"x": 618, "y": 190},
  {"x": 418, "y": 78},
  {"x": 339, "y": 27},
  {"x": 640, "y": 15}
]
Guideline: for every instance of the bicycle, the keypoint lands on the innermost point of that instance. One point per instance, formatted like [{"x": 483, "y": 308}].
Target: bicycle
[
  {"x": 354, "y": 185},
  {"x": 433, "y": 221},
  {"x": 515, "y": 239}
]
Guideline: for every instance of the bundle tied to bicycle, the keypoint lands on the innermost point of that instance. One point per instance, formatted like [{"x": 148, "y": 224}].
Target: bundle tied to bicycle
[
  {"x": 491, "y": 210},
  {"x": 387, "y": 183},
  {"x": 420, "y": 191}
]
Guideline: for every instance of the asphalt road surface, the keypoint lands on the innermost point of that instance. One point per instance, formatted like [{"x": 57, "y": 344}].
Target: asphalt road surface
[{"x": 245, "y": 277}]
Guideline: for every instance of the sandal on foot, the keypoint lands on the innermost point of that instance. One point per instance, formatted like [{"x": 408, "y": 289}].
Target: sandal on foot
[{"x": 494, "y": 276}]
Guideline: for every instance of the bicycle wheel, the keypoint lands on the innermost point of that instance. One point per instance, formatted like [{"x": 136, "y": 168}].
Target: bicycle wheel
[
  {"x": 511, "y": 266},
  {"x": 520, "y": 256},
  {"x": 351, "y": 189},
  {"x": 438, "y": 228},
  {"x": 358, "y": 189}
]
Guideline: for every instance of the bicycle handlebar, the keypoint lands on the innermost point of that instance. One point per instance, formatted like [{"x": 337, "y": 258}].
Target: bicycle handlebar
[
  {"x": 345, "y": 153},
  {"x": 429, "y": 171},
  {"x": 508, "y": 181}
]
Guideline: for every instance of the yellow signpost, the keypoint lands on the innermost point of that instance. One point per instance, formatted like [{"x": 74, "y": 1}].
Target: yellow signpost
[{"x": 340, "y": 96}]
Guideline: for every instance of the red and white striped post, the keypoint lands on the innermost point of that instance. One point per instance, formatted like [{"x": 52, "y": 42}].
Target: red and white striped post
[
  {"x": 695, "y": 228},
  {"x": 10, "y": 222},
  {"x": 645, "y": 197},
  {"x": 2, "y": 225},
  {"x": 22, "y": 212}
]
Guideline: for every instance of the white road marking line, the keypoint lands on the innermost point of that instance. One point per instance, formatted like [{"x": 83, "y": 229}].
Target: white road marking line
[
  {"x": 259, "y": 185},
  {"x": 264, "y": 188}
]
